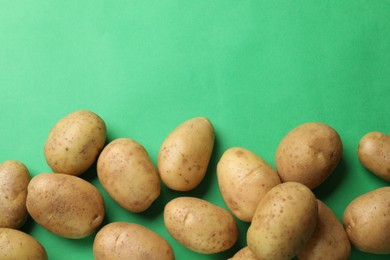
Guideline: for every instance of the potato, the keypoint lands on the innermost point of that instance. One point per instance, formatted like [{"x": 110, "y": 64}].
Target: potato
[
  {"x": 243, "y": 179},
  {"x": 367, "y": 221},
  {"x": 200, "y": 225},
  {"x": 66, "y": 205},
  {"x": 15, "y": 244},
  {"x": 122, "y": 240},
  {"x": 244, "y": 254},
  {"x": 374, "y": 154},
  {"x": 128, "y": 175},
  {"x": 308, "y": 154},
  {"x": 283, "y": 222},
  {"x": 185, "y": 154},
  {"x": 329, "y": 241},
  {"x": 14, "y": 178},
  {"x": 75, "y": 142}
]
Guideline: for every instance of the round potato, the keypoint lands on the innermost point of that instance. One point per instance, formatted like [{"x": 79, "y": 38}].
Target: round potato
[
  {"x": 185, "y": 154},
  {"x": 367, "y": 221},
  {"x": 308, "y": 154},
  {"x": 75, "y": 142},
  {"x": 374, "y": 154},
  {"x": 120, "y": 240},
  {"x": 283, "y": 222},
  {"x": 200, "y": 225},
  {"x": 244, "y": 254},
  {"x": 243, "y": 179},
  {"x": 128, "y": 175},
  {"x": 66, "y": 205},
  {"x": 14, "y": 178},
  {"x": 15, "y": 244}
]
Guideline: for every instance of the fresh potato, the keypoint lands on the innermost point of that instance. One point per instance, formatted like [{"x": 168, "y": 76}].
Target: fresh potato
[
  {"x": 15, "y": 244},
  {"x": 128, "y": 175},
  {"x": 329, "y": 241},
  {"x": 75, "y": 142},
  {"x": 374, "y": 154},
  {"x": 243, "y": 179},
  {"x": 121, "y": 240},
  {"x": 283, "y": 222},
  {"x": 244, "y": 254},
  {"x": 66, "y": 205},
  {"x": 14, "y": 178},
  {"x": 200, "y": 225},
  {"x": 185, "y": 154},
  {"x": 367, "y": 221},
  {"x": 308, "y": 154}
]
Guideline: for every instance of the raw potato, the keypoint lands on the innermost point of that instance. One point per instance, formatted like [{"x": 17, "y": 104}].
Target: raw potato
[
  {"x": 329, "y": 241},
  {"x": 367, "y": 221},
  {"x": 128, "y": 175},
  {"x": 244, "y": 254},
  {"x": 120, "y": 240},
  {"x": 283, "y": 222},
  {"x": 374, "y": 154},
  {"x": 66, "y": 205},
  {"x": 75, "y": 142},
  {"x": 15, "y": 244},
  {"x": 308, "y": 154},
  {"x": 14, "y": 178},
  {"x": 185, "y": 154},
  {"x": 244, "y": 178},
  {"x": 200, "y": 225}
]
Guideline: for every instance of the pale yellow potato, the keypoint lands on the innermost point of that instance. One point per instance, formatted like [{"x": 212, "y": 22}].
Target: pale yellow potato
[
  {"x": 244, "y": 254},
  {"x": 14, "y": 178},
  {"x": 66, "y": 205},
  {"x": 308, "y": 154},
  {"x": 75, "y": 142},
  {"x": 283, "y": 222},
  {"x": 128, "y": 175},
  {"x": 329, "y": 240},
  {"x": 243, "y": 179},
  {"x": 122, "y": 240},
  {"x": 374, "y": 153},
  {"x": 15, "y": 245},
  {"x": 185, "y": 154},
  {"x": 200, "y": 225},
  {"x": 367, "y": 221}
]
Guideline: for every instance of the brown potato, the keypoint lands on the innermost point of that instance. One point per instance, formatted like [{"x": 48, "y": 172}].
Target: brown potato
[{"x": 244, "y": 254}]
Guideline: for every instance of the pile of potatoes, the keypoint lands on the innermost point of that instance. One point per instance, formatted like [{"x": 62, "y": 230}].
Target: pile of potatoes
[{"x": 286, "y": 219}]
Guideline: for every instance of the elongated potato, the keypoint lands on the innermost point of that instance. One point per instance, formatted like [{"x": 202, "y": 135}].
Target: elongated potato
[{"x": 244, "y": 254}]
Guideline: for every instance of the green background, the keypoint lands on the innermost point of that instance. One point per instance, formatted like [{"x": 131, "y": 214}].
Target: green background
[{"x": 256, "y": 69}]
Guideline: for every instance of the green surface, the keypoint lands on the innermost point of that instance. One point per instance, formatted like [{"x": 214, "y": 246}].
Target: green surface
[{"x": 256, "y": 69}]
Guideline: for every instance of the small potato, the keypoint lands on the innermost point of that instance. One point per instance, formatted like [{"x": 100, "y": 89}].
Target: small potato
[
  {"x": 15, "y": 244},
  {"x": 121, "y": 240},
  {"x": 14, "y": 178},
  {"x": 128, "y": 175},
  {"x": 75, "y": 142},
  {"x": 244, "y": 254},
  {"x": 283, "y": 222},
  {"x": 200, "y": 225},
  {"x": 185, "y": 154},
  {"x": 66, "y": 205},
  {"x": 374, "y": 154},
  {"x": 244, "y": 178},
  {"x": 367, "y": 221},
  {"x": 308, "y": 154},
  {"x": 329, "y": 241}
]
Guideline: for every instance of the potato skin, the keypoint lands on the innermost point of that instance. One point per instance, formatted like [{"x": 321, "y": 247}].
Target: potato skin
[
  {"x": 185, "y": 154},
  {"x": 367, "y": 221},
  {"x": 308, "y": 154},
  {"x": 329, "y": 240},
  {"x": 75, "y": 142},
  {"x": 121, "y": 240},
  {"x": 244, "y": 178},
  {"x": 283, "y": 222},
  {"x": 200, "y": 225},
  {"x": 128, "y": 175},
  {"x": 244, "y": 254},
  {"x": 374, "y": 154},
  {"x": 15, "y": 244},
  {"x": 66, "y": 205},
  {"x": 14, "y": 178}
]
